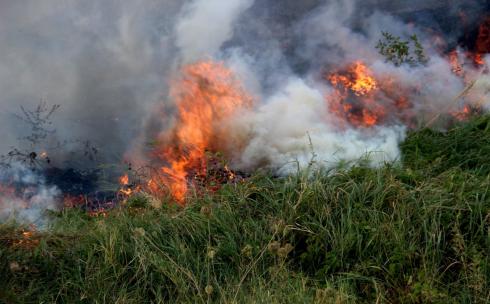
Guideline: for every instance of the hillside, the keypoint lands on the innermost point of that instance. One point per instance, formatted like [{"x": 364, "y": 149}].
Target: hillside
[{"x": 413, "y": 232}]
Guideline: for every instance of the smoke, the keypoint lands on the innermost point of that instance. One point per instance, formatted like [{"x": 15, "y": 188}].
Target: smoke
[
  {"x": 109, "y": 64},
  {"x": 25, "y": 196},
  {"x": 292, "y": 123},
  {"x": 292, "y": 129},
  {"x": 104, "y": 62},
  {"x": 204, "y": 25}
]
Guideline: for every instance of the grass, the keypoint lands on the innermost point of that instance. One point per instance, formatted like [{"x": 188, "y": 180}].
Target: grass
[{"x": 415, "y": 232}]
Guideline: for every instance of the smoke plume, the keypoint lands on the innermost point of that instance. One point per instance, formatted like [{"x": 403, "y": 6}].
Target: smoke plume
[
  {"x": 204, "y": 25},
  {"x": 111, "y": 66}
]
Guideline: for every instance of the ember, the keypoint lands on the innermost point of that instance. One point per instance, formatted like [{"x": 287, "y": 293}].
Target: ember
[{"x": 27, "y": 239}]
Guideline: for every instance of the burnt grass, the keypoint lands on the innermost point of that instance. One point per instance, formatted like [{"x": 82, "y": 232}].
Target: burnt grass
[{"x": 417, "y": 231}]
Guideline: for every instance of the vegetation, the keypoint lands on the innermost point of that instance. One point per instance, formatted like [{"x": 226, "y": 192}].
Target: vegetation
[
  {"x": 398, "y": 51},
  {"x": 415, "y": 232}
]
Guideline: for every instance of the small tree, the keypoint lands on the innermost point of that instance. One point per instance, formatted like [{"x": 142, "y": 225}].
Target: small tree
[
  {"x": 398, "y": 51},
  {"x": 40, "y": 125},
  {"x": 39, "y": 121}
]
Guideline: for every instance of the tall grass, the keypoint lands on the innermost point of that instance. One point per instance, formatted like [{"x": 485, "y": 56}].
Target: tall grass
[{"x": 416, "y": 232}]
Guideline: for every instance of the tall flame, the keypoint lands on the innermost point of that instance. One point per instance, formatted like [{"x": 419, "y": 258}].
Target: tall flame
[
  {"x": 206, "y": 95},
  {"x": 482, "y": 42}
]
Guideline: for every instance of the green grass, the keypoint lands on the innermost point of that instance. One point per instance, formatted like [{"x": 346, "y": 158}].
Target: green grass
[{"x": 416, "y": 232}]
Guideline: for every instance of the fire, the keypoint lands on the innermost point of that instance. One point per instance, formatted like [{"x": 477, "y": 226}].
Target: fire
[
  {"x": 70, "y": 201},
  {"x": 353, "y": 98},
  {"x": 466, "y": 112},
  {"x": 359, "y": 79},
  {"x": 456, "y": 65},
  {"x": 206, "y": 95},
  {"x": 124, "y": 180},
  {"x": 27, "y": 239},
  {"x": 125, "y": 189},
  {"x": 482, "y": 42}
]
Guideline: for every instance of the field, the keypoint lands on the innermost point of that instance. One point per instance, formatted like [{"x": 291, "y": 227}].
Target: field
[{"x": 417, "y": 231}]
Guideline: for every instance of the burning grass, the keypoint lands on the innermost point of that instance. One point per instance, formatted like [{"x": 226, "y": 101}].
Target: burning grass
[
  {"x": 412, "y": 233},
  {"x": 206, "y": 95}
]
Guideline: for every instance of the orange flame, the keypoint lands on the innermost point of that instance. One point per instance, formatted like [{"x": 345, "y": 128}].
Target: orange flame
[
  {"x": 466, "y": 112},
  {"x": 28, "y": 239},
  {"x": 353, "y": 98},
  {"x": 206, "y": 94},
  {"x": 482, "y": 42},
  {"x": 127, "y": 189},
  {"x": 456, "y": 65},
  {"x": 124, "y": 180},
  {"x": 358, "y": 78}
]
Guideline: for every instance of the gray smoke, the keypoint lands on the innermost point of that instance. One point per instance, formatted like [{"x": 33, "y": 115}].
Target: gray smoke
[
  {"x": 104, "y": 62},
  {"x": 108, "y": 63},
  {"x": 292, "y": 120}
]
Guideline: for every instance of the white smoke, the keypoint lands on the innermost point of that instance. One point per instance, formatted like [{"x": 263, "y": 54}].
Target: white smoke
[
  {"x": 294, "y": 127},
  {"x": 204, "y": 25},
  {"x": 27, "y": 197},
  {"x": 109, "y": 63}
]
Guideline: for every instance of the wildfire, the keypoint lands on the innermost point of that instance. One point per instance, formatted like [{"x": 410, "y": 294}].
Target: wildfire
[
  {"x": 482, "y": 42},
  {"x": 124, "y": 180},
  {"x": 206, "y": 94},
  {"x": 70, "y": 201},
  {"x": 353, "y": 99},
  {"x": 127, "y": 189},
  {"x": 456, "y": 65},
  {"x": 358, "y": 78},
  {"x": 464, "y": 114},
  {"x": 27, "y": 239}
]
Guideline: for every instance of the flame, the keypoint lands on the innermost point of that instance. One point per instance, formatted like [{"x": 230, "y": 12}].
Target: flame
[
  {"x": 70, "y": 201},
  {"x": 358, "y": 78},
  {"x": 362, "y": 99},
  {"x": 483, "y": 42},
  {"x": 126, "y": 192},
  {"x": 353, "y": 97},
  {"x": 98, "y": 213},
  {"x": 229, "y": 173},
  {"x": 475, "y": 57},
  {"x": 478, "y": 59},
  {"x": 456, "y": 65},
  {"x": 463, "y": 114},
  {"x": 206, "y": 95},
  {"x": 466, "y": 112},
  {"x": 27, "y": 234},
  {"x": 125, "y": 189},
  {"x": 124, "y": 180},
  {"x": 27, "y": 239},
  {"x": 128, "y": 189}
]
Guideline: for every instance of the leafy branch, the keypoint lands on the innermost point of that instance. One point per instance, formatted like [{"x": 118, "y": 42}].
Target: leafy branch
[{"x": 399, "y": 52}]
